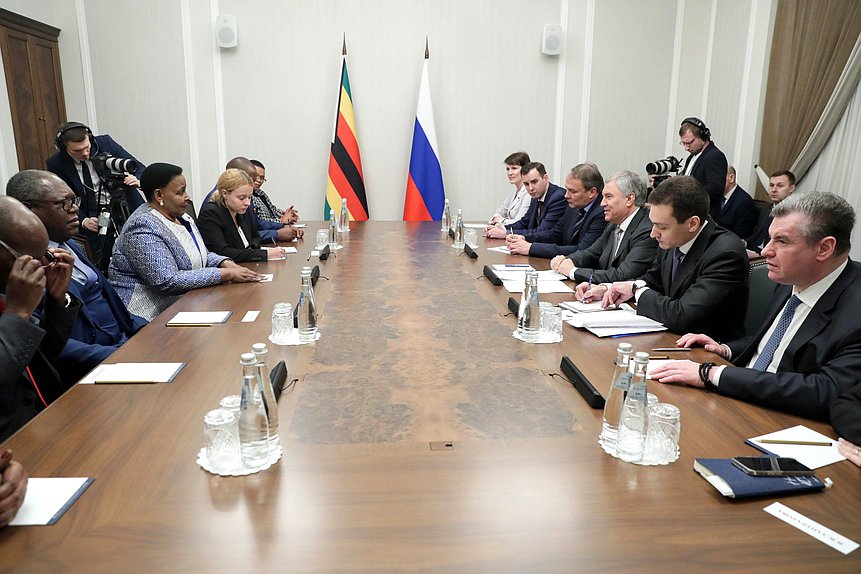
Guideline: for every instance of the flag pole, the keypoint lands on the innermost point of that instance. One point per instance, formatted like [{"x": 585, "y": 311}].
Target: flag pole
[
  {"x": 344, "y": 48},
  {"x": 427, "y": 53}
]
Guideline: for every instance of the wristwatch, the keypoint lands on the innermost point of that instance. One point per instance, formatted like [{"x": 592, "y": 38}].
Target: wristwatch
[{"x": 637, "y": 284}]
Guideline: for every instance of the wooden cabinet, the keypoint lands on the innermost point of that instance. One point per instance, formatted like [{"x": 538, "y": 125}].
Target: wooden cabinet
[{"x": 31, "y": 61}]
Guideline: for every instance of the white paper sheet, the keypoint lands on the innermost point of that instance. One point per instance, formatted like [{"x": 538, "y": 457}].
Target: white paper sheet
[
  {"x": 45, "y": 498},
  {"x": 578, "y": 307},
  {"x": 520, "y": 275},
  {"x": 199, "y": 318},
  {"x": 500, "y": 249},
  {"x": 543, "y": 287},
  {"x": 267, "y": 277},
  {"x": 512, "y": 266},
  {"x": 250, "y": 316},
  {"x": 809, "y": 456}
]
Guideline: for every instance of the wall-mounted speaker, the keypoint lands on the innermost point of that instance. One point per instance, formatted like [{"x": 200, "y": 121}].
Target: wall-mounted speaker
[
  {"x": 551, "y": 40},
  {"x": 225, "y": 31}
]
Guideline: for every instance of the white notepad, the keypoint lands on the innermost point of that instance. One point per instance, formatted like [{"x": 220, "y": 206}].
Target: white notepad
[
  {"x": 197, "y": 318},
  {"x": 809, "y": 456},
  {"x": 47, "y": 499},
  {"x": 133, "y": 373}
]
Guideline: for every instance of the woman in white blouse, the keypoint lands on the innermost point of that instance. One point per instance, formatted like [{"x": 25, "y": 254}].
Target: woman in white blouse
[{"x": 516, "y": 204}]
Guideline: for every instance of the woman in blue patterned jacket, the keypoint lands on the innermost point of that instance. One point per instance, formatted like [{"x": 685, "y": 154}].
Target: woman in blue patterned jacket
[{"x": 159, "y": 255}]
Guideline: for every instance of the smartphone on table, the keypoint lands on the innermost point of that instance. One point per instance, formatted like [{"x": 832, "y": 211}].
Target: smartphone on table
[{"x": 771, "y": 466}]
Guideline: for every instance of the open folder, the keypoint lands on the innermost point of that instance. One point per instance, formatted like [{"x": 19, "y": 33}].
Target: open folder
[
  {"x": 133, "y": 373},
  {"x": 615, "y": 322},
  {"x": 198, "y": 318}
]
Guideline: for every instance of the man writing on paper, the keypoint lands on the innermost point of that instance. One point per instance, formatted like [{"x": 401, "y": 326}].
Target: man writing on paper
[
  {"x": 104, "y": 323},
  {"x": 808, "y": 350},
  {"x": 29, "y": 272},
  {"x": 625, "y": 249},
  {"x": 545, "y": 208},
  {"x": 581, "y": 225},
  {"x": 699, "y": 277}
]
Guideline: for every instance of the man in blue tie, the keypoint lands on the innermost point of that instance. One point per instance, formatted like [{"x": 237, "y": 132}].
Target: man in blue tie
[
  {"x": 103, "y": 323},
  {"x": 808, "y": 350}
]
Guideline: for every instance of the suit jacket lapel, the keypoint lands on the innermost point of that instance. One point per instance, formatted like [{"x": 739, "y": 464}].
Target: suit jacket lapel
[{"x": 689, "y": 263}]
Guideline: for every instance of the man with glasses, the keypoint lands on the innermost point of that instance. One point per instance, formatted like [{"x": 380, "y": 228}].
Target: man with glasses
[
  {"x": 104, "y": 323},
  {"x": 706, "y": 163},
  {"x": 32, "y": 279},
  {"x": 262, "y": 204}
]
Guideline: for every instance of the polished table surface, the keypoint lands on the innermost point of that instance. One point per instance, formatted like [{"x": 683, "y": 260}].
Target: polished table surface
[{"x": 415, "y": 350}]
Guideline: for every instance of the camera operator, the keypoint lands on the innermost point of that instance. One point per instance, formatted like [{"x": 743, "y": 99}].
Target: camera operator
[
  {"x": 73, "y": 163},
  {"x": 706, "y": 163}
]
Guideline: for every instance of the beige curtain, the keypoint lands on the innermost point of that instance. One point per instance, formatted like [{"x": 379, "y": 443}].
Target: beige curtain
[{"x": 810, "y": 47}]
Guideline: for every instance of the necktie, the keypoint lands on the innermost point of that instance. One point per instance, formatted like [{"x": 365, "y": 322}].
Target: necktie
[
  {"x": 88, "y": 179},
  {"x": 538, "y": 211},
  {"x": 617, "y": 242},
  {"x": 773, "y": 342},
  {"x": 677, "y": 258},
  {"x": 581, "y": 215},
  {"x": 722, "y": 202}
]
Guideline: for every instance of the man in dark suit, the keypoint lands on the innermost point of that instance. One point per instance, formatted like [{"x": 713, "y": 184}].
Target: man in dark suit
[
  {"x": 706, "y": 163},
  {"x": 808, "y": 350},
  {"x": 781, "y": 184},
  {"x": 846, "y": 416},
  {"x": 103, "y": 323},
  {"x": 76, "y": 147},
  {"x": 624, "y": 250},
  {"x": 738, "y": 213},
  {"x": 545, "y": 209},
  {"x": 30, "y": 282},
  {"x": 581, "y": 225},
  {"x": 699, "y": 277}
]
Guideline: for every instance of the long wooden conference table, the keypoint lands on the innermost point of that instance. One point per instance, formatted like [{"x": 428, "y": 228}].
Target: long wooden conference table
[{"x": 420, "y": 436}]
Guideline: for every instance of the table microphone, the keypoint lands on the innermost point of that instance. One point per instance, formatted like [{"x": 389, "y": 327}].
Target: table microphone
[
  {"x": 593, "y": 397},
  {"x": 469, "y": 251},
  {"x": 315, "y": 274},
  {"x": 491, "y": 276},
  {"x": 324, "y": 253},
  {"x": 451, "y": 232},
  {"x": 514, "y": 306}
]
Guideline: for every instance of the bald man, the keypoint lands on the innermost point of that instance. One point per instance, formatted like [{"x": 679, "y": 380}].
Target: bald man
[{"x": 29, "y": 271}]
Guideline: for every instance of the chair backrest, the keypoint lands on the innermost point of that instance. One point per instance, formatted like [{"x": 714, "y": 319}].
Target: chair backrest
[
  {"x": 759, "y": 294},
  {"x": 189, "y": 210}
]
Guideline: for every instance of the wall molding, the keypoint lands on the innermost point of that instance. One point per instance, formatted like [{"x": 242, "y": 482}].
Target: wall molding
[
  {"x": 218, "y": 81},
  {"x": 588, "y": 49},
  {"x": 86, "y": 66},
  {"x": 190, "y": 97},
  {"x": 561, "y": 73}
]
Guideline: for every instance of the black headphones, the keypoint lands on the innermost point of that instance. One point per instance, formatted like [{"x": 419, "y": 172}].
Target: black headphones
[
  {"x": 705, "y": 133},
  {"x": 66, "y": 127}
]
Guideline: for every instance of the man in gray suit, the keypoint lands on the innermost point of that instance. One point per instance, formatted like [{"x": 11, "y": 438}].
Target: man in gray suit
[{"x": 624, "y": 251}]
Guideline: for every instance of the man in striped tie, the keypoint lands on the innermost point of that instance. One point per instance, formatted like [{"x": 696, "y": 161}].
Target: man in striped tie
[{"x": 808, "y": 350}]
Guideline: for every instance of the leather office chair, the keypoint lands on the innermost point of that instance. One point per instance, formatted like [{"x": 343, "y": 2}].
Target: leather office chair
[
  {"x": 759, "y": 294},
  {"x": 190, "y": 210}
]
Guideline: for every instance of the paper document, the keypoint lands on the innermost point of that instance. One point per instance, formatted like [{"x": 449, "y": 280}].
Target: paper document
[
  {"x": 615, "y": 323},
  {"x": 500, "y": 249},
  {"x": 250, "y": 316},
  {"x": 475, "y": 225},
  {"x": 512, "y": 266},
  {"x": 193, "y": 318},
  {"x": 267, "y": 277},
  {"x": 133, "y": 373},
  {"x": 808, "y": 455},
  {"x": 520, "y": 275},
  {"x": 543, "y": 286},
  {"x": 578, "y": 307},
  {"x": 47, "y": 499}
]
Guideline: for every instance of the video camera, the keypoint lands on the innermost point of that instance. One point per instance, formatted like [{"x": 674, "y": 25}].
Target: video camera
[
  {"x": 661, "y": 169},
  {"x": 112, "y": 171},
  {"x": 113, "y": 168}
]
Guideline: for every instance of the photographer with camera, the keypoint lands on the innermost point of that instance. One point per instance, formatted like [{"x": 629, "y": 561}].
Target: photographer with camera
[
  {"x": 706, "y": 163},
  {"x": 106, "y": 178}
]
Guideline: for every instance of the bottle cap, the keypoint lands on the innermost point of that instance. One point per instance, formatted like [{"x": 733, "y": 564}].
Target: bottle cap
[
  {"x": 259, "y": 348},
  {"x": 641, "y": 357},
  {"x": 626, "y": 348},
  {"x": 305, "y": 272},
  {"x": 247, "y": 359}
]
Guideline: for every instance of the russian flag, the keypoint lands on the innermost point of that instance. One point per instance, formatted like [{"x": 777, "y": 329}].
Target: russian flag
[{"x": 425, "y": 196}]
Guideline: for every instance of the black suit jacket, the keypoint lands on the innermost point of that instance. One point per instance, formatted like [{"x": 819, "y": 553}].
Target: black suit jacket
[
  {"x": 739, "y": 213},
  {"x": 569, "y": 234},
  {"x": 63, "y": 165},
  {"x": 221, "y": 236},
  {"x": 24, "y": 344},
  {"x": 710, "y": 171},
  {"x": 709, "y": 294},
  {"x": 822, "y": 361},
  {"x": 846, "y": 415},
  {"x": 636, "y": 253},
  {"x": 554, "y": 207},
  {"x": 760, "y": 234}
]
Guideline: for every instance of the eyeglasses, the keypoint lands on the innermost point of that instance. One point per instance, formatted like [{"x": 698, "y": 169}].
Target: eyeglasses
[
  {"x": 687, "y": 143},
  {"x": 48, "y": 256},
  {"x": 260, "y": 178},
  {"x": 67, "y": 203}
]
